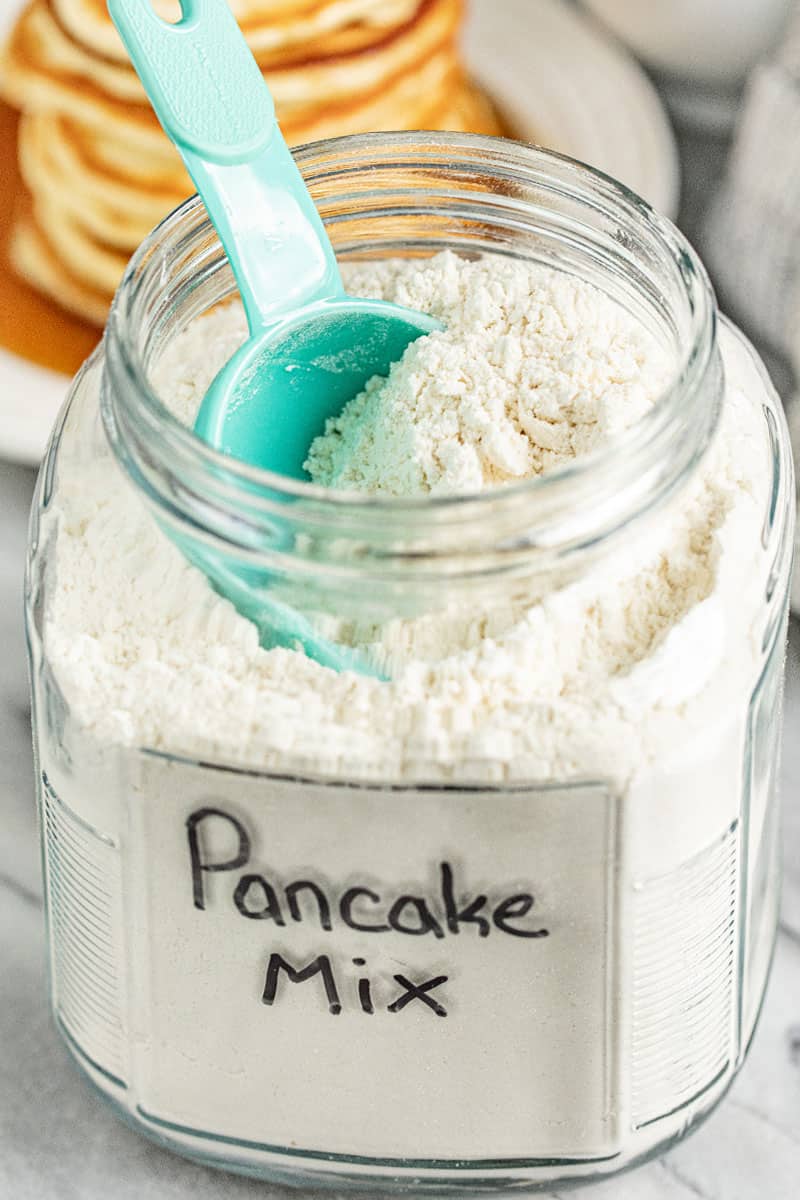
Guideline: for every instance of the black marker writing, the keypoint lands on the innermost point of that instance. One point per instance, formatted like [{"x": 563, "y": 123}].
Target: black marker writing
[
  {"x": 319, "y": 966},
  {"x": 419, "y": 991},
  {"x": 200, "y": 864}
]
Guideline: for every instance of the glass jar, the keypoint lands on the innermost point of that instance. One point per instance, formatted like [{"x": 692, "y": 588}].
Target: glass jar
[{"x": 332, "y": 951}]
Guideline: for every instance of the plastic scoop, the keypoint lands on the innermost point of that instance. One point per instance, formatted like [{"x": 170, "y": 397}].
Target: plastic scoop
[{"x": 311, "y": 346}]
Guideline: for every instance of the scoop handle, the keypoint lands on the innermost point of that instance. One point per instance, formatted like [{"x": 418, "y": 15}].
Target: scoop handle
[
  {"x": 201, "y": 78},
  {"x": 211, "y": 99}
]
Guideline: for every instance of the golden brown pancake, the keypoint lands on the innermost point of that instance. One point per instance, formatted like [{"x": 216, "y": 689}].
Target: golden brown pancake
[
  {"x": 77, "y": 251},
  {"x": 105, "y": 153},
  {"x": 89, "y": 261},
  {"x": 39, "y": 265},
  {"x": 323, "y": 27},
  {"x": 107, "y": 216},
  {"x": 41, "y": 45},
  {"x": 35, "y": 84},
  {"x": 110, "y": 209},
  {"x": 471, "y": 111},
  {"x": 120, "y": 210},
  {"x": 99, "y": 169}
]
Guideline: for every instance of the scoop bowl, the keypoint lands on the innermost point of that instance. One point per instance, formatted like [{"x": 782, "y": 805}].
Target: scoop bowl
[
  {"x": 311, "y": 346},
  {"x": 274, "y": 396}
]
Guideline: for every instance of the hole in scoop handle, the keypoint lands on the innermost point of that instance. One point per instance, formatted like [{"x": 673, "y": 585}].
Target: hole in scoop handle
[{"x": 202, "y": 80}]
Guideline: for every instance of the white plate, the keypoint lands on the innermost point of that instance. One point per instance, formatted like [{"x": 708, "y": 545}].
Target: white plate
[
  {"x": 564, "y": 83},
  {"x": 559, "y": 80},
  {"x": 30, "y": 397}
]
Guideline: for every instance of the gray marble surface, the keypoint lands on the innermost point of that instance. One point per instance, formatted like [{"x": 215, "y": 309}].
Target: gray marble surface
[{"x": 58, "y": 1141}]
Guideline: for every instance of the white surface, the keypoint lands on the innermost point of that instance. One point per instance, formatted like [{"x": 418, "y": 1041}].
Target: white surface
[
  {"x": 559, "y": 80},
  {"x": 30, "y": 397}
]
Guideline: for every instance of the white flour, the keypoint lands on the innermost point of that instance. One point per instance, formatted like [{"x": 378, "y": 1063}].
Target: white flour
[
  {"x": 532, "y": 370},
  {"x": 637, "y": 675},
  {"x": 147, "y": 653}
]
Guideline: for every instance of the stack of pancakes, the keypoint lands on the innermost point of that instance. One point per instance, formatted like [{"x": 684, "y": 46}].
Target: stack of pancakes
[{"x": 98, "y": 168}]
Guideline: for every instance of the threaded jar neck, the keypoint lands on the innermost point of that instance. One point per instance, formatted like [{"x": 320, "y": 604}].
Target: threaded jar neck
[{"x": 417, "y": 194}]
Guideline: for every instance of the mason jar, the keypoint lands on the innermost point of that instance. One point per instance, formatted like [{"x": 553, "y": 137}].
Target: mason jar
[{"x": 329, "y": 947}]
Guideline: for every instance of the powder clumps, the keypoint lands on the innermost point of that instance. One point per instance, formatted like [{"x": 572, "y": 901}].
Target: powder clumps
[
  {"x": 533, "y": 369},
  {"x": 603, "y": 675}
]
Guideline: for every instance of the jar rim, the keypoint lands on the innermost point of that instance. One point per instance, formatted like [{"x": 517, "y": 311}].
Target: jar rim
[{"x": 503, "y": 159}]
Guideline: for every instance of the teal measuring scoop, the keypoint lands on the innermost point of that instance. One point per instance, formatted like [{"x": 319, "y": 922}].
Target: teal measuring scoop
[{"x": 311, "y": 346}]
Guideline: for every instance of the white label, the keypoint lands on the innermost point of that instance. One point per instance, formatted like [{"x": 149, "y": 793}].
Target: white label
[{"x": 392, "y": 973}]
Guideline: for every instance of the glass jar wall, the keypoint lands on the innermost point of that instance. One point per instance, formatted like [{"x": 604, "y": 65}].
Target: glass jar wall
[{"x": 322, "y": 928}]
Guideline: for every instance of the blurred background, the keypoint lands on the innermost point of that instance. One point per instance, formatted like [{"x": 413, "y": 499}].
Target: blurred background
[{"x": 695, "y": 104}]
